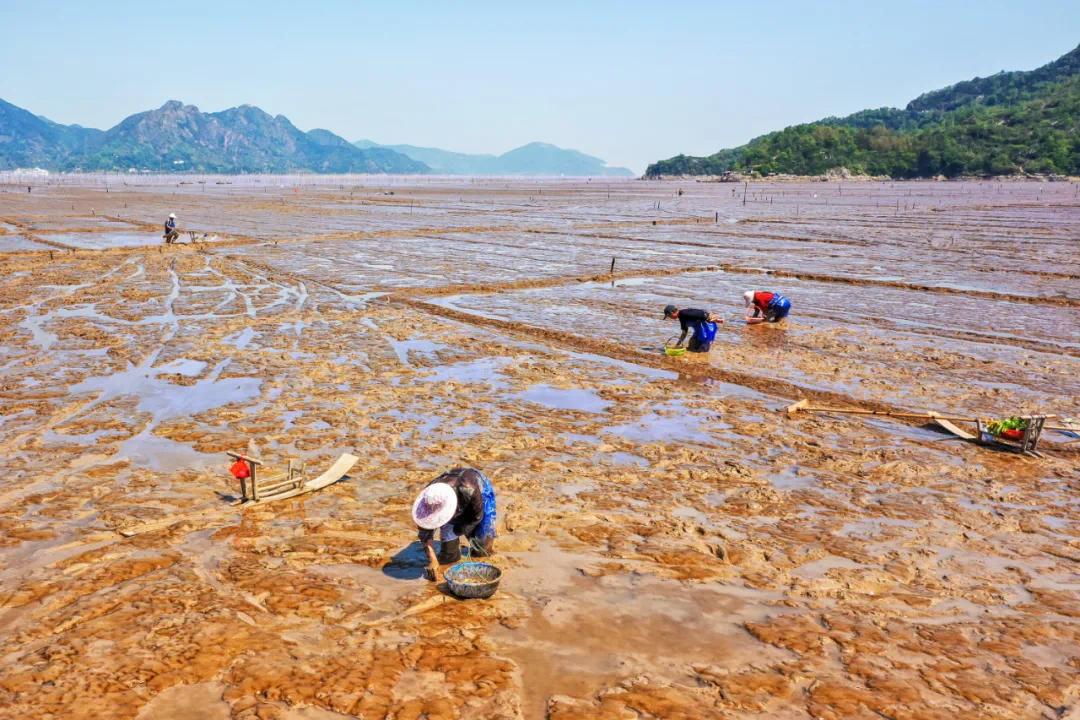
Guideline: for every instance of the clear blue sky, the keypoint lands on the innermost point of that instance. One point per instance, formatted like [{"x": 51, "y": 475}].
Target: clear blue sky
[{"x": 628, "y": 81}]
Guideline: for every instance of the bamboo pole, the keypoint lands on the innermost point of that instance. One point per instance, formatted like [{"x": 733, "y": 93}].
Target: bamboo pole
[
  {"x": 804, "y": 406},
  {"x": 242, "y": 456},
  {"x": 279, "y": 485}
]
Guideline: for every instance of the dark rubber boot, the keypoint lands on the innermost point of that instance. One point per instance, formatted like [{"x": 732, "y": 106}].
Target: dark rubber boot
[{"x": 449, "y": 552}]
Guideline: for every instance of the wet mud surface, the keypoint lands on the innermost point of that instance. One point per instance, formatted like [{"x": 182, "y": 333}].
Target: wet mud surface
[{"x": 673, "y": 546}]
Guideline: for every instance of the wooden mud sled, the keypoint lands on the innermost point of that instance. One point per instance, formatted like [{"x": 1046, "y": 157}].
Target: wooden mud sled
[
  {"x": 255, "y": 487},
  {"x": 1024, "y": 442},
  {"x": 259, "y": 486}
]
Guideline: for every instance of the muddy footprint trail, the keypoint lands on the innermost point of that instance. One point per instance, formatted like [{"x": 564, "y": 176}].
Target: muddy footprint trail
[{"x": 673, "y": 545}]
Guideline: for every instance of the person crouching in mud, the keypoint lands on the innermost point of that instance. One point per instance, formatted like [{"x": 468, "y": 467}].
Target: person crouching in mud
[
  {"x": 171, "y": 233},
  {"x": 702, "y": 322},
  {"x": 460, "y": 503},
  {"x": 762, "y": 306}
]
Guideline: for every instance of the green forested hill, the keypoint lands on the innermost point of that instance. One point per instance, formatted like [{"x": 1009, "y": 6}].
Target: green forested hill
[
  {"x": 1000, "y": 89},
  {"x": 1009, "y": 123}
]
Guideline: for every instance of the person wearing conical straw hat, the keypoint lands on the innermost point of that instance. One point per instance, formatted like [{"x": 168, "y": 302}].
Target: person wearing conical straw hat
[{"x": 460, "y": 503}]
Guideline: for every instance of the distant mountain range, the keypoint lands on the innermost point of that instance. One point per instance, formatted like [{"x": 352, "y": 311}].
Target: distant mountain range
[
  {"x": 533, "y": 159},
  {"x": 178, "y": 137},
  {"x": 1006, "y": 124},
  {"x": 181, "y": 138}
]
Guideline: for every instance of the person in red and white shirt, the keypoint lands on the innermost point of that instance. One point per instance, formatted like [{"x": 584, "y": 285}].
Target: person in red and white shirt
[{"x": 763, "y": 306}]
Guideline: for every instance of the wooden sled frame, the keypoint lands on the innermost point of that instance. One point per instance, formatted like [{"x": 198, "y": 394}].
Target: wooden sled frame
[
  {"x": 279, "y": 485},
  {"x": 1026, "y": 445}
]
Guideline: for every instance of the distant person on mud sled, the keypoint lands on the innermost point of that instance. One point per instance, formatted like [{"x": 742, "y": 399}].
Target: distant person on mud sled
[
  {"x": 171, "y": 233},
  {"x": 762, "y": 306},
  {"x": 702, "y": 322},
  {"x": 459, "y": 503}
]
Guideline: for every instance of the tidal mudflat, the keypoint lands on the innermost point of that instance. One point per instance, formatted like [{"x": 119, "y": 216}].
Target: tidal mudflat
[{"x": 673, "y": 545}]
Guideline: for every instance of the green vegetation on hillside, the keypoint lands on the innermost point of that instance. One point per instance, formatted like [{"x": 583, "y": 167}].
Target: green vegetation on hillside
[
  {"x": 1004, "y": 88},
  {"x": 1009, "y": 123}
]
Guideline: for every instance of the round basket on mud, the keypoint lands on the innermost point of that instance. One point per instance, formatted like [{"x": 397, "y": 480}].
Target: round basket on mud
[
  {"x": 473, "y": 579},
  {"x": 671, "y": 347}
]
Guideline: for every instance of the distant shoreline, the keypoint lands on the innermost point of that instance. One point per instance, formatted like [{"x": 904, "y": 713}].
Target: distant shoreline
[{"x": 24, "y": 177}]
